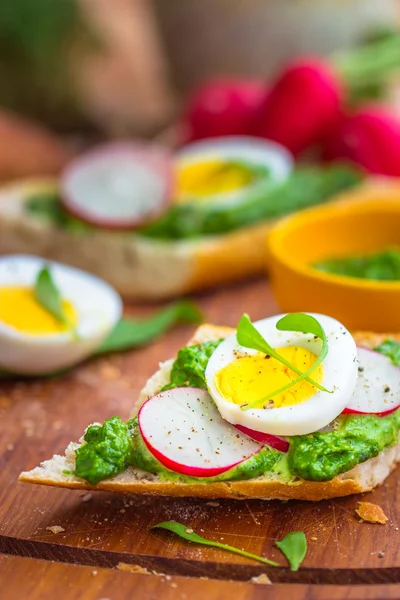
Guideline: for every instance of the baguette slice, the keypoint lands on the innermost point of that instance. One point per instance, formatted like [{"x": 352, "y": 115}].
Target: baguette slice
[
  {"x": 138, "y": 268},
  {"x": 362, "y": 478}
]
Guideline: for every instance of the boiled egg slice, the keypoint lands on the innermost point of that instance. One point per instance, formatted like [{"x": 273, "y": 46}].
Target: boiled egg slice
[
  {"x": 238, "y": 376},
  {"x": 32, "y": 340},
  {"x": 229, "y": 169}
]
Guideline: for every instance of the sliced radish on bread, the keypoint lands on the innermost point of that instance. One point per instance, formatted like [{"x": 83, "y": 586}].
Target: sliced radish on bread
[
  {"x": 378, "y": 385},
  {"x": 275, "y": 442},
  {"x": 118, "y": 186},
  {"x": 184, "y": 431}
]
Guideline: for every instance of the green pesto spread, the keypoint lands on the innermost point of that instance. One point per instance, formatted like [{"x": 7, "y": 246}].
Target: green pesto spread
[
  {"x": 319, "y": 456},
  {"x": 382, "y": 266},
  {"x": 107, "y": 452},
  {"x": 190, "y": 365},
  {"x": 307, "y": 186}
]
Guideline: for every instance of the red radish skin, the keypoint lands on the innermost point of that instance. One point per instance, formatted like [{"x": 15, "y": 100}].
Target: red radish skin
[
  {"x": 275, "y": 442},
  {"x": 184, "y": 422},
  {"x": 155, "y": 160},
  {"x": 220, "y": 107},
  {"x": 349, "y": 411},
  {"x": 302, "y": 106},
  {"x": 378, "y": 384},
  {"x": 369, "y": 138}
]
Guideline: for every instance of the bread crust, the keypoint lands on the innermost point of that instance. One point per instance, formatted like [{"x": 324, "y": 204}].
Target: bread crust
[
  {"x": 362, "y": 478},
  {"x": 137, "y": 267},
  {"x": 237, "y": 490}
]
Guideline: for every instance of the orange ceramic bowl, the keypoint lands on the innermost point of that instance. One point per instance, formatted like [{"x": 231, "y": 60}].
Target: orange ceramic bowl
[{"x": 361, "y": 222}]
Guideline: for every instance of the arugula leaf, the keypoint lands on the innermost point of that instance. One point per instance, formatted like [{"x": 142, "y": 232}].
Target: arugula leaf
[
  {"x": 391, "y": 349},
  {"x": 248, "y": 336},
  {"x": 48, "y": 295},
  {"x": 130, "y": 333},
  {"x": 294, "y": 547},
  {"x": 188, "y": 534}
]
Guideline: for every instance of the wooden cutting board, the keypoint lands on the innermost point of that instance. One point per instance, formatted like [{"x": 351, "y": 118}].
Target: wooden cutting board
[{"x": 103, "y": 533}]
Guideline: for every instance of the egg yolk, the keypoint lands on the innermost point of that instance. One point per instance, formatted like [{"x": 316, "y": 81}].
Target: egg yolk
[
  {"x": 19, "y": 309},
  {"x": 209, "y": 177},
  {"x": 251, "y": 378}
]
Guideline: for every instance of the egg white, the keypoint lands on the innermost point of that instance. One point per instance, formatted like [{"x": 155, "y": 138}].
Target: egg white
[
  {"x": 98, "y": 308},
  {"x": 339, "y": 376}
]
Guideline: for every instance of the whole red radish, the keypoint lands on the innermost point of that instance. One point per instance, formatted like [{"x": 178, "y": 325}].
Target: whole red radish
[
  {"x": 302, "y": 106},
  {"x": 220, "y": 107},
  {"x": 369, "y": 138}
]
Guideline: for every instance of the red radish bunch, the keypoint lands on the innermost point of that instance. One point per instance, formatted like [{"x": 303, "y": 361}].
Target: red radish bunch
[
  {"x": 221, "y": 107},
  {"x": 306, "y": 107}
]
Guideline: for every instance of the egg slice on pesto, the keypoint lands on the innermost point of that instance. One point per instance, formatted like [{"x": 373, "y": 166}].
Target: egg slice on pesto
[
  {"x": 229, "y": 169},
  {"x": 239, "y": 377}
]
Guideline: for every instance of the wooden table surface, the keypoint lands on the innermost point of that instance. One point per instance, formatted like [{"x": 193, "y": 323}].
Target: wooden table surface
[{"x": 106, "y": 537}]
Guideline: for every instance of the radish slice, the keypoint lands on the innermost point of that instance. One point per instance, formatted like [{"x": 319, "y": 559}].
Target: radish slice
[
  {"x": 378, "y": 385},
  {"x": 277, "y": 443},
  {"x": 183, "y": 429},
  {"x": 118, "y": 186}
]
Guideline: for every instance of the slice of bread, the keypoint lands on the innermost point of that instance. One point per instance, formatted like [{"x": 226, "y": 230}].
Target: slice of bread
[
  {"x": 137, "y": 267},
  {"x": 362, "y": 478}
]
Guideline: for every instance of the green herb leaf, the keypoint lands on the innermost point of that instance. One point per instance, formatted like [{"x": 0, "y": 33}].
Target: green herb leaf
[
  {"x": 248, "y": 336},
  {"x": 294, "y": 547},
  {"x": 48, "y": 295},
  {"x": 391, "y": 349},
  {"x": 130, "y": 333},
  {"x": 188, "y": 534}
]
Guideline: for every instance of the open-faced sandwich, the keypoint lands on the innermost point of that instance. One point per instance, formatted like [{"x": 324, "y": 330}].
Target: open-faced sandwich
[
  {"x": 156, "y": 227},
  {"x": 291, "y": 406}
]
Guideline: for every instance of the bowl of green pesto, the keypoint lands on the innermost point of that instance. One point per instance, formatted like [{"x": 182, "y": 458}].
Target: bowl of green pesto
[
  {"x": 383, "y": 265},
  {"x": 342, "y": 259}
]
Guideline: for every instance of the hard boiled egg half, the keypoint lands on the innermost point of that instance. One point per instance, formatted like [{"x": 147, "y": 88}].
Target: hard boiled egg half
[
  {"x": 32, "y": 340},
  {"x": 238, "y": 376}
]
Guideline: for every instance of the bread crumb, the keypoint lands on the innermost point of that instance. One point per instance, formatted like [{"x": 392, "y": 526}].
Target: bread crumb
[
  {"x": 174, "y": 585},
  {"x": 94, "y": 572},
  {"x": 127, "y": 568},
  {"x": 314, "y": 539},
  {"x": 86, "y": 497},
  {"x": 213, "y": 504},
  {"x": 189, "y": 530},
  {"x": 55, "y": 529},
  {"x": 371, "y": 513},
  {"x": 262, "y": 579},
  {"x": 122, "y": 510}
]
